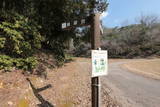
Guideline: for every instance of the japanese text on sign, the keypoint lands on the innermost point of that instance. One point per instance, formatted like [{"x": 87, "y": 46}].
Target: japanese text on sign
[{"x": 99, "y": 63}]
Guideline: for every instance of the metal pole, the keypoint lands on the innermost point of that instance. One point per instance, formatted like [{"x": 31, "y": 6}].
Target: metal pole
[{"x": 95, "y": 43}]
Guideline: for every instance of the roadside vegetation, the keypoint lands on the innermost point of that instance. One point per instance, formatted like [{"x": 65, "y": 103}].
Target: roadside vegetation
[
  {"x": 138, "y": 40},
  {"x": 19, "y": 38},
  {"x": 30, "y": 28}
]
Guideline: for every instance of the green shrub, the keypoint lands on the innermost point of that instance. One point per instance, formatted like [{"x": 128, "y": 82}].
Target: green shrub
[
  {"x": 26, "y": 64},
  {"x": 19, "y": 37},
  {"x": 2, "y": 42},
  {"x": 7, "y": 63},
  {"x": 58, "y": 50}
]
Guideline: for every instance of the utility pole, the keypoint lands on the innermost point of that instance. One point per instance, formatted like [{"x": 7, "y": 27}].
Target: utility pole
[{"x": 95, "y": 44}]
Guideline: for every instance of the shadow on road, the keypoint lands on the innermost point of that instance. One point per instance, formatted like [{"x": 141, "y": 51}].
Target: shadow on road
[{"x": 44, "y": 103}]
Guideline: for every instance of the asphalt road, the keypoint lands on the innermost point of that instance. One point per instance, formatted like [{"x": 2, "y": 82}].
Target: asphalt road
[{"x": 130, "y": 89}]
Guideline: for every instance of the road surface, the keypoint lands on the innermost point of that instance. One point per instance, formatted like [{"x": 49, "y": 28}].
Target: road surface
[{"x": 130, "y": 89}]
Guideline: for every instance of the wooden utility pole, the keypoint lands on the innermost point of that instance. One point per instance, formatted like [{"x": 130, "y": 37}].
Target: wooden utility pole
[
  {"x": 95, "y": 29},
  {"x": 95, "y": 43}
]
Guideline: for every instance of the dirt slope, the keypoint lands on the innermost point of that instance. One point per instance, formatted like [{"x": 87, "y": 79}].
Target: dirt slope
[{"x": 68, "y": 86}]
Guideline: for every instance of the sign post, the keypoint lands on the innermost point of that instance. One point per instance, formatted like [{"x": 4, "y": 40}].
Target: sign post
[{"x": 95, "y": 44}]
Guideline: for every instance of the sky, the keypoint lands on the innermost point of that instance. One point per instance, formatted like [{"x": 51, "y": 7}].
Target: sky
[{"x": 125, "y": 12}]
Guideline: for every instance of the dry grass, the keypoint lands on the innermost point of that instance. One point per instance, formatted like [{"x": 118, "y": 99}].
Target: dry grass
[{"x": 146, "y": 67}]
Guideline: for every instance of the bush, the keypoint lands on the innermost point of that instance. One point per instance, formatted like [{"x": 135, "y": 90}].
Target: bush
[
  {"x": 7, "y": 63},
  {"x": 19, "y": 37},
  {"x": 26, "y": 64},
  {"x": 57, "y": 48}
]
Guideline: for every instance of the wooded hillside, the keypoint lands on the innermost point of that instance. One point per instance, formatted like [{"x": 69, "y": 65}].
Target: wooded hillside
[
  {"x": 27, "y": 26},
  {"x": 138, "y": 40}
]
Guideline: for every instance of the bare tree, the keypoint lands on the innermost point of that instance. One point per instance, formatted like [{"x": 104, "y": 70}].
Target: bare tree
[{"x": 147, "y": 20}]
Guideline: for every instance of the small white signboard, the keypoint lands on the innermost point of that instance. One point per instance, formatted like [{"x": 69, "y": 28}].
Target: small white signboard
[
  {"x": 68, "y": 24},
  {"x": 83, "y": 21},
  {"x": 64, "y": 25},
  {"x": 75, "y": 22},
  {"x": 99, "y": 63}
]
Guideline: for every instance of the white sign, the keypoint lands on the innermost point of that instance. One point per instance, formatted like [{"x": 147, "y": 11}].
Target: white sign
[
  {"x": 83, "y": 21},
  {"x": 68, "y": 24},
  {"x": 99, "y": 63},
  {"x": 75, "y": 22},
  {"x": 64, "y": 25}
]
